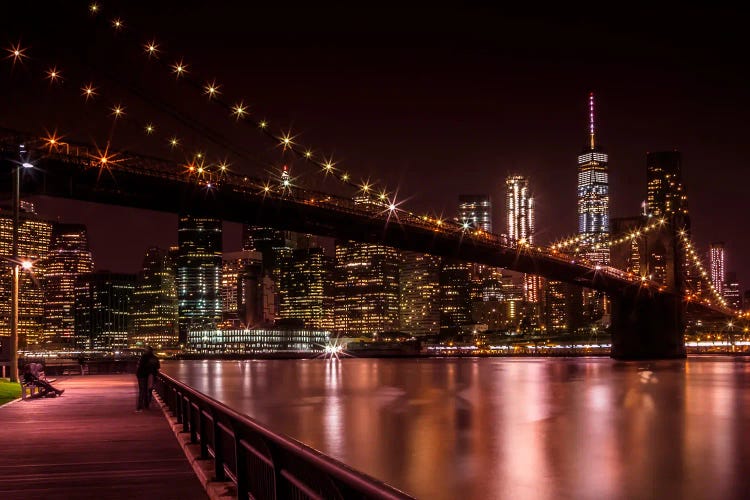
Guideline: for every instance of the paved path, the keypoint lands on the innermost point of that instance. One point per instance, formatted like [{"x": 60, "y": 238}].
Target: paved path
[{"x": 90, "y": 443}]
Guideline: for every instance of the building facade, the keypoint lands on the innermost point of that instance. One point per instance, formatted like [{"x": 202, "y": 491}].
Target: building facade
[
  {"x": 69, "y": 257},
  {"x": 666, "y": 193},
  {"x": 247, "y": 341},
  {"x": 366, "y": 289},
  {"x": 476, "y": 211},
  {"x": 198, "y": 273},
  {"x": 733, "y": 292},
  {"x": 419, "y": 293},
  {"x": 102, "y": 310},
  {"x": 34, "y": 235},
  {"x": 154, "y": 313},
  {"x": 718, "y": 269},
  {"x": 593, "y": 196},
  {"x": 306, "y": 291}
]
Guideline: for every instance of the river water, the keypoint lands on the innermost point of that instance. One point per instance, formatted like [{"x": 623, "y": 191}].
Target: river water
[{"x": 508, "y": 427}]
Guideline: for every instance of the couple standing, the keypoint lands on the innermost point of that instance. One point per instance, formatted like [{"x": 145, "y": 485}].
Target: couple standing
[{"x": 148, "y": 366}]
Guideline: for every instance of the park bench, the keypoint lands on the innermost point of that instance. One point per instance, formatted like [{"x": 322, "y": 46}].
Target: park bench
[{"x": 29, "y": 390}]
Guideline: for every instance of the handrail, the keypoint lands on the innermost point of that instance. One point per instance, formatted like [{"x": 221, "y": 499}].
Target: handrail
[{"x": 262, "y": 463}]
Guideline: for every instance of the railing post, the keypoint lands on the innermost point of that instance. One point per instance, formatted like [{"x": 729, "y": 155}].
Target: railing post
[
  {"x": 193, "y": 426},
  {"x": 240, "y": 464},
  {"x": 218, "y": 452},
  {"x": 204, "y": 437},
  {"x": 185, "y": 403},
  {"x": 178, "y": 406}
]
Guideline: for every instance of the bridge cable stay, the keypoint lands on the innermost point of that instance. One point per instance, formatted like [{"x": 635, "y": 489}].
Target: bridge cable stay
[
  {"x": 695, "y": 260},
  {"x": 89, "y": 92},
  {"x": 240, "y": 111}
]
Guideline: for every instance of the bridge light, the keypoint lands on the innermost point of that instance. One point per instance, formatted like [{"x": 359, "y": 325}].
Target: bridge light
[
  {"x": 16, "y": 53},
  {"x": 94, "y": 8},
  {"x": 365, "y": 187},
  {"x": 117, "y": 23},
  {"x": 53, "y": 74},
  {"x": 118, "y": 110},
  {"x": 152, "y": 48},
  {"x": 239, "y": 110},
  {"x": 174, "y": 141},
  {"x": 149, "y": 129},
  {"x": 88, "y": 91},
  {"x": 263, "y": 124},
  {"x": 465, "y": 225},
  {"x": 286, "y": 141},
  {"x": 179, "y": 68},
  {"x": 223, "y": 166},
  {"x": 308, "y": 154},
  {"x": 392, "y": 207},
  {"x": 211, "y": 89},
  {"x": 345, "y": 177}
]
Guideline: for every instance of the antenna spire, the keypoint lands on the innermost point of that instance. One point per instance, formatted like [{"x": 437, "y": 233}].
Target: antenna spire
[{"x": 591, "y": 119}]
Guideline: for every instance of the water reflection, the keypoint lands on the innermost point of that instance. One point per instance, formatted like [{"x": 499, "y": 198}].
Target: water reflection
[{"x": 508, "y": 428}]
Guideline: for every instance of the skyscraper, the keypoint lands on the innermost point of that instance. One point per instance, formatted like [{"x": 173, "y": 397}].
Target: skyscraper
[
  {"x": 732, "y": 293},
  {"x": 593, "y": 196},
  {"x": 455, "y": 294},
  {"x": 520, "y": 218},
  {"x": 241, "y": 275},
  {"x": 102, "y": 310},
  {"x": 33, "y": 243},
  {"x": 520, "y": 209},
  {"x": 476, "y": 210},
  {"x": 366, "y": 288},
  {"x": 716, "y": 255},
  {"x": 69, "y": 257},
  {"x": 306, "y": 288},
  {"x": 419, "y": 292},
  {"x": 198, "y": 273},
  {"x": 154, "y": 316},
  {"x": 666, "y": 194}
]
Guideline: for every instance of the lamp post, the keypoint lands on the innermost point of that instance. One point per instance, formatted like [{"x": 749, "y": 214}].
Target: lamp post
[{"x": 17, "y": 264}]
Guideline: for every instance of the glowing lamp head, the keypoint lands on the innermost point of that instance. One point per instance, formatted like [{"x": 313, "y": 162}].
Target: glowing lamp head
[
  {"x": 27, "y": 165},
  {"x": 27, "y": 264},
  {"x": 392, "y": 207}
]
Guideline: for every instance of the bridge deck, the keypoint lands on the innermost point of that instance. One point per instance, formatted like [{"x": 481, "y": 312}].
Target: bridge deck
[{"x": 90, "y": 443}]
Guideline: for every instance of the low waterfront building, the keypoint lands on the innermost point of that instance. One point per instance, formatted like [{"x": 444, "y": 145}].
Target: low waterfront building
[{"x": 267, "y": 340}]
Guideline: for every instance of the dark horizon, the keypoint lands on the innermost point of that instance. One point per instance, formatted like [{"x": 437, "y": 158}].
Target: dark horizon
[{"x": 438, "y": 103}]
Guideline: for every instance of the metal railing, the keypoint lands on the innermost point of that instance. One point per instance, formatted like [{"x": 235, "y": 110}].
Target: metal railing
[{"x": 262, "y": 463}]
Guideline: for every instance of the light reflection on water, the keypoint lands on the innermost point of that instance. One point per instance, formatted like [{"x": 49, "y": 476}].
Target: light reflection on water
[{"x": 508, "y": 428}]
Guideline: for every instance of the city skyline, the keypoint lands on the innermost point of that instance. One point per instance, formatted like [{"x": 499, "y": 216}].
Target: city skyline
[{"x": 634, "y": 120}]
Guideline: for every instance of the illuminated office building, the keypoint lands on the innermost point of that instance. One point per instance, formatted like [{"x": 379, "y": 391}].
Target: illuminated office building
[
  {"x": 519, "y": 209},
  {"x": 666, "y": 194},
  {"x": 102, "y": 310},
  {"x": 198, "y": 273},
  {"x": 455, "y": 295},
  {"x": 69, "y": 257},
  {"x": 154, "y": 316},
  {"x": 419, "y": 292},
  {"x": 306, "y": 288},
  {"x": 716, "y": 256},
  {"x": 520, "y": 226},
  {"x": 241, "y": 279},
  {"x": 34, "y": 235},
  {"x": 562, "y": 308},
  {"x": 366, "y": 288},
  {"x": 475, "y": 210},
  {"x": 593, "y": 196},
  {"x": 732, "y": 293}
]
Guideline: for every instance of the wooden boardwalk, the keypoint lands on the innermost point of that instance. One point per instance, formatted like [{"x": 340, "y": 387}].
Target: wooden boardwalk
[{"x": 90, "y": 443}]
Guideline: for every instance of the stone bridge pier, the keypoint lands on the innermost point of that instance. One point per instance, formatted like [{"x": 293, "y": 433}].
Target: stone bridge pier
[{"x": 647, "y": 325}]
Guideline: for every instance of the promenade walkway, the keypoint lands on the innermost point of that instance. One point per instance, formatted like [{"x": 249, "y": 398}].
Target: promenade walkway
[{"x": 90, "y": 443}]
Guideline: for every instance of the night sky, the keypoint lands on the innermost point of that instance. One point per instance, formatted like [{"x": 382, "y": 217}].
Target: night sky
[{"x": 435, "y": 103}]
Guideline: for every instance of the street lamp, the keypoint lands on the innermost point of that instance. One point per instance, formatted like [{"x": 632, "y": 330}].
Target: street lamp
[{"x": 16, "y": 262}]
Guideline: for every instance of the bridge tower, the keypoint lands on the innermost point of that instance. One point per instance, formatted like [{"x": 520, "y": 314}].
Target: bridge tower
[{"x": 648, "y": 323}]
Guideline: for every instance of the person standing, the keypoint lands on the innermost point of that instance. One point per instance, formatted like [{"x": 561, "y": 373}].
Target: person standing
[{"x": 148, "y": 365}]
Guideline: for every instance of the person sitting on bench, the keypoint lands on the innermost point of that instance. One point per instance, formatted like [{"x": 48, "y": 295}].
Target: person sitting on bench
[{"x": 29, "y": 377}]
